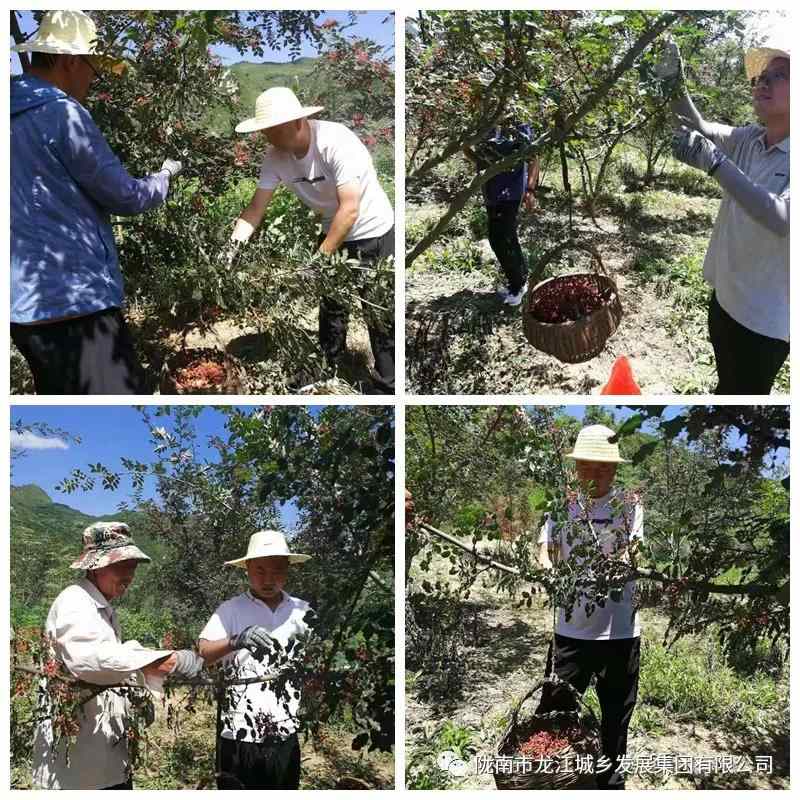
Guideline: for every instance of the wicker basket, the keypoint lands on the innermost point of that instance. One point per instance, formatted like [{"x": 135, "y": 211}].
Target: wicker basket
[
  {"x": 573, "y": 342},
  {"x": 564, "y": 775},
  {"x": 233, "y": 382}
]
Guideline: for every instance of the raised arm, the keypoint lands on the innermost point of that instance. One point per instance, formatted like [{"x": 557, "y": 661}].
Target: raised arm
[{"x": 85, "y": 154}]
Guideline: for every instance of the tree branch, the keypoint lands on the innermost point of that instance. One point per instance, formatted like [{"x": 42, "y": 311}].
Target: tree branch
[
  {"x": 750, "y": 589},
  {"x": 548, "y": 139},
  {"x": 19, "y": 38}
]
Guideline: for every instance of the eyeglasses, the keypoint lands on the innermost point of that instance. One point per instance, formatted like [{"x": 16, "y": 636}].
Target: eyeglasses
[
  {"x": 91, "y": 67},
  {"x": 768, "y": 78}
]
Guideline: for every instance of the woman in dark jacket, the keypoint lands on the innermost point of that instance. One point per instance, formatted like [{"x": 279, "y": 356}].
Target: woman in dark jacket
[{"x": 503, "y": 195}]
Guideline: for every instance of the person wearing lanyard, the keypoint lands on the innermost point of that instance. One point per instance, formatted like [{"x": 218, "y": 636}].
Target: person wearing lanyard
[
  {"x": 503, "y": 194},
  {"x": 747, "y": 262},
  {"x": 606, "y": 643}
]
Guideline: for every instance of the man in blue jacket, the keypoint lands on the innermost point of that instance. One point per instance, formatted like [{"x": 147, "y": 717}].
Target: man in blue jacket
[{"x": 66, "y": 286}]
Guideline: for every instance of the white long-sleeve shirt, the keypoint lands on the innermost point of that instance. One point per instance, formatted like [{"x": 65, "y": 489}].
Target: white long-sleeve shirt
[{"x": 85, "y": 636}]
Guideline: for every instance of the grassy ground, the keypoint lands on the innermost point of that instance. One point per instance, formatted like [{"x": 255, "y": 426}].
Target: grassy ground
[
  {"x": 461, "y": 339},
  {"x": 186, "y": 760},
  {"x": 691, "y": 702}
]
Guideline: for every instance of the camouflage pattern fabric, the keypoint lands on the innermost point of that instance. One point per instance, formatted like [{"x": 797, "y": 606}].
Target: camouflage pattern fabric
[{"x": 107, "y": 543}]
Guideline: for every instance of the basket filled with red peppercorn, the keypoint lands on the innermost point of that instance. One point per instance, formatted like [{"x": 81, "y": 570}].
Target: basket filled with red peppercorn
[
  {"x": 544, "y": 747},
  {"x": 572, "y": 316},
  {"x": 202, "y": 370}
]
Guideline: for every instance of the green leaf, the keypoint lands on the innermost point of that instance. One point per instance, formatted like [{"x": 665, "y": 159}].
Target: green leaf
[
  {"x": 631, "y": 425},
  {"x": 645, "y": 451}
]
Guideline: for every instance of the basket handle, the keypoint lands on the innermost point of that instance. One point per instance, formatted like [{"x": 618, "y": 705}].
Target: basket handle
[
  {"x": 555, "y": 252},
  {"x": 537, "y": 687}
]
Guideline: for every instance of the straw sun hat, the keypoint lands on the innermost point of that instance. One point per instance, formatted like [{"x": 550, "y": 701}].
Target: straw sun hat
[
  {"x": 267, "y": 543},
  {"x": 275, "y": 107},
  {"x": 592, "y": 445},
  {"x": 757, "y": 59},
  {"x": 71, "y": 33}
]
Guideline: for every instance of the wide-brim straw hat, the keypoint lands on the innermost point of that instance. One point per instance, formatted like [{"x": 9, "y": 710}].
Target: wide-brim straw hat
[
  {"x": 267, "y": 543},
  {"x": 592, "y": 445},
  {"x": 757, "y": 59},
  {"x": 106, "y": 543},
  {"x": 275, "y": 107},
  {"x": 71, "y": 33}
]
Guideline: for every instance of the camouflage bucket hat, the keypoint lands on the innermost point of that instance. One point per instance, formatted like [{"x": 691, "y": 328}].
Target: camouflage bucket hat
[{"x": 107, "y": 543}]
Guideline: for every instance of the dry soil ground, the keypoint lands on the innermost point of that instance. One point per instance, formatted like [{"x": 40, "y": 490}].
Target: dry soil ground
[
  {"x": 506, "y": 659},
  {"x": 460, "y": 338}
]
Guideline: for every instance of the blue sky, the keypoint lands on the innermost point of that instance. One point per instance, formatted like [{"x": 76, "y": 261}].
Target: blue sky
[
  {"x": 107, "y": 432},
  {"x": 369, "y": 24}
]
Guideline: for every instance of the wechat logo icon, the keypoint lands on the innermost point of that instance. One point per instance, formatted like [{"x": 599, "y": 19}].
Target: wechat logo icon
[{"x": 448, "y": 761}]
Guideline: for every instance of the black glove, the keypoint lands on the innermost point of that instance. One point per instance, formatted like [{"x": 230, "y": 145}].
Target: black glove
[{"x": 256, "y": 639}]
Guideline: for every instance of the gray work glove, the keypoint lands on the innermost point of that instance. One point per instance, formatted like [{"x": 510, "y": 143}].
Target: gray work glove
[
  {"x": 173, "y": 167},
  {"x": 188, "y": 665},
  {"x": 669, "y": 68},
  {"x": 256, "y": 639},
  {"x": 694, "y": 149}
]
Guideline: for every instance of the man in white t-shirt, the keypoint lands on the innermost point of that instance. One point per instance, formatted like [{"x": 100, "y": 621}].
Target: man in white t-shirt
[
  {"x": 607, "y": 642},
  {"x": 328, "y": 168},
  {"x": 258, "y": 745}
]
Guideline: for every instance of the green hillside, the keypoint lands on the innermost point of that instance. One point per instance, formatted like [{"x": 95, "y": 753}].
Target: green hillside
[
  {"x": 45, "y": 540},
  {"x": 256, "y": 78}
]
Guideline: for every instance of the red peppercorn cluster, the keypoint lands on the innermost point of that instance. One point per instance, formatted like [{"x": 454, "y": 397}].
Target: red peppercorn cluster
[{"x": 569, "y": 298}]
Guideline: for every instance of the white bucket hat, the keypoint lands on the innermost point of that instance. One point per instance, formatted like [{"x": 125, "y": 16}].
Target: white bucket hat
[
  {"x": 274, "y": 107},
  {"x": 592, "y": 445},
  {"x": 71, "y": 33},
  {"x": 268, "y": 543},
  {"x": 757, "y": 59}
]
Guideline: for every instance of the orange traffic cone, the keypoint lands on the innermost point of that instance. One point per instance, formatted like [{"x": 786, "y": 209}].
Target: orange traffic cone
[{"x": 621, "y": 379}]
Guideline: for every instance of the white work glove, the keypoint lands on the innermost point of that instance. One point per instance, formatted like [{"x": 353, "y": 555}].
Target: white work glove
[
  {"x": 694, "y": 149},
  {"x": 173, "y": 167},
  {"x": 669, "y": 67},
  {"x": 242, "y": 231},
  {"x": 188, "y": 665}
]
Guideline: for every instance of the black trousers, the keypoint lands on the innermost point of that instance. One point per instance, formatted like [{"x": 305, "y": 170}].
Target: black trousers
[
  {"x": 615, "y": 662},
  {"x": 86, "y": 355},
  {"x": 257, "y": 765},
  {"x": 334, "y": 318},
  {"x": 127, "y": 785},
  {"x": 747, "y": 362},
  {"x": 505, "y": 243}
]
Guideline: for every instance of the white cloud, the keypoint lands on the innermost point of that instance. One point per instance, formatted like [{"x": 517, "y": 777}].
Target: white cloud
[{"x": 26, "y": 440}]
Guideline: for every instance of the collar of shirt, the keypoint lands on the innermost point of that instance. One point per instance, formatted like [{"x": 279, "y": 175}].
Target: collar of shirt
[
  {"x": 284, "y": 599},
  {"x": 782, "y": 145},
  {"x": 103, "y": 605},
  {"x": 93, "y": 592}
]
